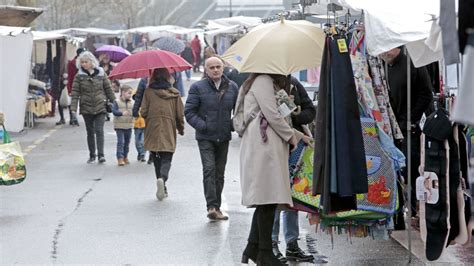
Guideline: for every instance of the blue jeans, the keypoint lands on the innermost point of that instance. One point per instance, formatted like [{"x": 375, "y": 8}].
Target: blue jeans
[
  {"x": 291, "y": 228},
  {"x": 123, "y": 142},
  {"x": 188, "y": 73},
  {"x": 140, "y": 141}
]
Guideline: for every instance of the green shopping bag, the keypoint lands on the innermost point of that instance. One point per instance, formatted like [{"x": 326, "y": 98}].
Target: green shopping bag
[
  {"x": 6, "y": 137},
  {"x": 12, "y": 162}
]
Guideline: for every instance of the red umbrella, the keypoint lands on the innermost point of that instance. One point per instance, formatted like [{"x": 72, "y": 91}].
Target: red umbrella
[{"x": 141, "y": 64}]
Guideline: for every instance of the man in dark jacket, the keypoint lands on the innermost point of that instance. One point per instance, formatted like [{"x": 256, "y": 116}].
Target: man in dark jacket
[
  {"x": 421, "y": 98},
  {"x": 208, "y": 109}
]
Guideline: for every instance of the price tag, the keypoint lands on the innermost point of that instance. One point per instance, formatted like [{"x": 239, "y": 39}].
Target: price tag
[
  {"x": 341, "y": 43},
  {"x": 422, "y": 121}
]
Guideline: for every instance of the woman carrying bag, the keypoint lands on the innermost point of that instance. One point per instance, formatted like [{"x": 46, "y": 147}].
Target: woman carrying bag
[{"x": 264, "y": 156}]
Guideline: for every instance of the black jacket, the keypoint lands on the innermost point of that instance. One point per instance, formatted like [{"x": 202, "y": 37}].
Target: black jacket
[
  {"x": 421, "y": 90},
  {"x": 209, "y": 109},
  {"x": 308, "y": 110},
  {"x": 187, "y": 55}
]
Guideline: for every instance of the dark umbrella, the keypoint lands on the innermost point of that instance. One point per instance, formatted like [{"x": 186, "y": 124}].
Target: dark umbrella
[{"x": 170, "y": 44}]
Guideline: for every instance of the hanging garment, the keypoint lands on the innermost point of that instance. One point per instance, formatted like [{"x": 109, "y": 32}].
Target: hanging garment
[
  {"x": 436, "y": 163},
  {"x": 447, "y": 22},
  {"x": 363, "y": 81},
  {"x": 463, "y": 111},
  {"x": 382, "y": 194},
  {"x": 338, "y": 119},
  {"x": 350, "y": 155},
  {"x": 383, "y": 98}
]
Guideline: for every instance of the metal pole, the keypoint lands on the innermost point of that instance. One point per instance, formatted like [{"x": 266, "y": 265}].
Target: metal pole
[
  {"x": 230, "y": 8},
  {"x": 408, "y": 125}
]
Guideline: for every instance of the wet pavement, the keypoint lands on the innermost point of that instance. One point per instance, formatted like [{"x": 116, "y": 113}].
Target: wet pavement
[{"x": 70, "y": 212}]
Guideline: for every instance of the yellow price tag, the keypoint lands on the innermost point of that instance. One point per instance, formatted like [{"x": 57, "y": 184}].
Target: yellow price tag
[{"x": 341, "y": 43}]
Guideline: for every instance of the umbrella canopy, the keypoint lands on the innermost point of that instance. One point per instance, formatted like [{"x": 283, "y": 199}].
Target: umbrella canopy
[
  {"x": 282, "y": 47},
  {"x": 115, "y": 53},
  {"x": 170, "y": 44},
  {"x": 141, "y": 64}
]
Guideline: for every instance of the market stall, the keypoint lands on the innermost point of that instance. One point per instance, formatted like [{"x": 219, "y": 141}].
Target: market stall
[{"x": 15, "y": 54}]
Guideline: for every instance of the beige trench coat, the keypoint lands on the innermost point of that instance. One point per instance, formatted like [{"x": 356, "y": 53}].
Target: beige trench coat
[{"x": 264, "y": 174}]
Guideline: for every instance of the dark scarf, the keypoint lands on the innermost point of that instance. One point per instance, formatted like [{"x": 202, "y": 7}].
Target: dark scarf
[
  {"x": 95, "y": 73},
  {"x": 160, "y": 84}
]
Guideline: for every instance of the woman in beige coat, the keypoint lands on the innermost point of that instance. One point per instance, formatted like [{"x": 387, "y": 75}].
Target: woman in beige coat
[
  {"x": 264, "y": 155},
  {"x": 163, "y": 111}
]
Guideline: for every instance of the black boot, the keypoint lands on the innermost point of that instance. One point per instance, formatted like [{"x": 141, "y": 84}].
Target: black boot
[
  {"x": 295, "y": 253},
  {"x": 277, "y": 252},
  {"x": 60, "y": 122},
  {"x": 250, "y": 252},
  {"x": 267, "y": 258}
]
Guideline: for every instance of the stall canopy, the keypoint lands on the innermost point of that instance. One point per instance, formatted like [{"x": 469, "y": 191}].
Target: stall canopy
[
  {"x": 390, "y": 24},
  {"x": 88, "y": 31},
  {"x": 220, "y": 23},
  {"x": 15, "y": 57},
  {"x": 155, "y": 32},
  {"x": 18, "y": 16}
]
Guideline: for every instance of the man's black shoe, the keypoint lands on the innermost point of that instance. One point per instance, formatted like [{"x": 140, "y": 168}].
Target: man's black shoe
[
  {"x": 101, "y": 159},
  {"x": 277, "y": 252},
  {"x": 295, "y": 253}
]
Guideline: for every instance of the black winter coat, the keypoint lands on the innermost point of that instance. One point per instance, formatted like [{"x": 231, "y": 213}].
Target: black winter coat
[
  {"x": 308, "y": 110},
  {"x": 209, "y": 110},
  {"x": 421, "y": 90}
]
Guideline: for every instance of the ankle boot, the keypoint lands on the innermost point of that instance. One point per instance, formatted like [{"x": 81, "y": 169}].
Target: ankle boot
[
  {"x": 277, "y": 252},
  {"x": 250, "y": 252},
  {"x": 295, "y": 253},
  {"x": 267, "y": 258}
]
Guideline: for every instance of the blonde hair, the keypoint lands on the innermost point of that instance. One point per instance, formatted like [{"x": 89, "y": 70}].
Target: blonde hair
[
  {"x": 86, "y": 55},
  {"x": 125, "y": 88}
]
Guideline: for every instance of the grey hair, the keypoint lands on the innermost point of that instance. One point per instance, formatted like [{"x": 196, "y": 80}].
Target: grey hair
[{"x": 86, "y": 55}]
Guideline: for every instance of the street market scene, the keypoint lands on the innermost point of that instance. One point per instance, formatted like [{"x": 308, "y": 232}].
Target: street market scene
[{"x": 235, "y": 132}]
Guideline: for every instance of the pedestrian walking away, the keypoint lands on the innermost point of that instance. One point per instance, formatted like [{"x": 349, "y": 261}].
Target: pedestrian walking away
[
  {"x": 163, "y": 111},
  {"x": 208, "y": 110},
  {"x": 90, "y": 90},
  {"x": 264, "y": 152},
  {"x": 123, "y": 123}
]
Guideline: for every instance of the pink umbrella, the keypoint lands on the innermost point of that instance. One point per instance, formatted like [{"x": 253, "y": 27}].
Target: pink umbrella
[
  {"x": 115, "y": 53},
  {"x": 141, "y": 64}
]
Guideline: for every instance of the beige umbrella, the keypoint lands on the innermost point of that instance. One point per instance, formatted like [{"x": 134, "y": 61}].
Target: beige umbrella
[{"x": 282, "y": 47}]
